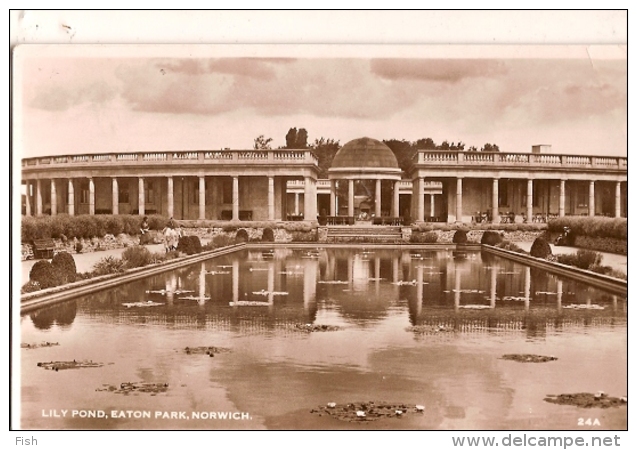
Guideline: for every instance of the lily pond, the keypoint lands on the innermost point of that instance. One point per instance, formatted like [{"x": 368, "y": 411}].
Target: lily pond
[{"x": 334, "y": 338}]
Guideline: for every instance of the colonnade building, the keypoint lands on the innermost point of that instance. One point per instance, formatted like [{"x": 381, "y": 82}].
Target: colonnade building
[{"x": 365, "y": 183}]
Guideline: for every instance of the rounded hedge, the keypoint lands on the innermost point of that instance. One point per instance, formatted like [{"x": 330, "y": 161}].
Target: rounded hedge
[
  {"x": 540, "y": 248},
  {"x": 460, "y": 237},
  {"x": 64, "y": 266},
  {"x": 42, "y": 272},
  {"x": 268, "y": 235},
  {"x": 242, "y": 236},
  {"x": 491, "y": 238},
  {"x": 189, "y": 245}
]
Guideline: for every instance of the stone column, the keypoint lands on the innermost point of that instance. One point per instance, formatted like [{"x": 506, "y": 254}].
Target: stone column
[
  {"x": 529, "y": 200},
  {"x": 421, "y": 200},
  {"x": 493, "y": 286},
  {"x": 141, "y": 197},
  {"x": 350, "y": 198},
  {"x": 115, "y": 195},
  {"x": 27, "y": 198},
  {"x": 170, "y": 196},
  {"x": 71, "y": 199},
  {"x": 309, "y": 205},
  {"x": 38, "y": 197},
  {"x": 591, "y": 198},
  {"x": 396, "y": 205},
  {"x": 432, "y": 205},
  {"x": 270, "y": 198},
  {"x": 202, "y": 198},
  {"x": 459, "y": 200},
  {"x": 618, "y": 199},
  {"x": 333, "y": 198},
  {"x": 235, "y": 198},
  {"x": 562, "y": 207},
  {"x": 91, "y": 196},
  {"x": 377, "y": 206},
  {"x": 54, "y": 198},
  {"x": 495, "y": 214}
]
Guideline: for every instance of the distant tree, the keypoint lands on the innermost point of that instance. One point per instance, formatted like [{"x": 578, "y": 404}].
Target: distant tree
[
  {"x": 290, "y": 138},
  {"x": 444, "y": 146},
  {"x": 403, "y": 150},
  {"x": 262, "y": 143},
  {"x": 490, "y": 148},
  {"x": 425, "y": 144},
  {"x": 325, "y": 149},
  {"x": 301, "y": 138},
  {"x": 473, "y": 148}
]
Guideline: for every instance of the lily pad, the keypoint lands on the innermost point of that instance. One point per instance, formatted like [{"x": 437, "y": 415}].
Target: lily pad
[
  {"x": 63, "y": 365},
  {"x": 367, "y": 411},
  {"x": 587, "y": 400},
  {"x": 138, "y": 386},
  {"x": 527, "y": 358}
]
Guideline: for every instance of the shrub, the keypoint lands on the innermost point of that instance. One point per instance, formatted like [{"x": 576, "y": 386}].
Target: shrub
[
  {"x": 460, "y": 237},
  {"x": 592, "y": 226},
  {"x": 136, "y": 256},
  {"x": 42, "y": 272},
  {"x": 108, "y": 265},
  {"x": 145, "y": 238},
  {"x": 268, "y": 235},
  {"x": 189, "y": 245},
  {"x": 64, "y": 266},
  {"x": 30, "y": 286},
  {"x": 491, "y": 238},
  {"x": 429, "y": 237},
  {"x": 242, "y": 236},
  {"x": 583, "y": 259},
  {"x": 114, "y": 225},
  {"x": 540, "y": 248},
  {"x": 156, "y": 222},
  {"x": 507, "y": 245}
]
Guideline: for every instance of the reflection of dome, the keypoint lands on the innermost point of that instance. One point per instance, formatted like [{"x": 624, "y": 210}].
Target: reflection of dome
[{"x": 365, "y": 152}]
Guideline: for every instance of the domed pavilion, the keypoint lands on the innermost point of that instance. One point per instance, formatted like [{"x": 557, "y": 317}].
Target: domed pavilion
[{"x": 361, "y": 162}]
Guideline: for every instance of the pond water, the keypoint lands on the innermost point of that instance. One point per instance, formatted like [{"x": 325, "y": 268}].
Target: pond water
[{"x": 410, "y": 327}]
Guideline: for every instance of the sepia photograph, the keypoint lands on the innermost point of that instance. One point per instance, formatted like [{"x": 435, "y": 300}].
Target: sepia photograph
[{"x": 321, "y": 237}]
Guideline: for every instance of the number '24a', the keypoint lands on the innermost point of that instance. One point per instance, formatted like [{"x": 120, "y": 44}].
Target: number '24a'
[{"x": 581, "y": 421}]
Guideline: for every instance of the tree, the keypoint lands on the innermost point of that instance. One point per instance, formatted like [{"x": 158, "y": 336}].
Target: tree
[
  {"x": 490, "y": 148},
  {"x": 301, "y": 138},
  {"x": 425, "y": 144},
  {"x": 261, "y": 143},
  {"x": 290, "y": 138},
  {"x": 444, "y": 146},
  {"x": 403, "y": 150},
  {"x": 325, "y": 149}
]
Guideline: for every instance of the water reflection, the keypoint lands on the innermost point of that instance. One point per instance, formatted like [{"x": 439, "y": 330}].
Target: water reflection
[
  {"x": 283, "y": 286},
  {"x": 250, "y": 301}
]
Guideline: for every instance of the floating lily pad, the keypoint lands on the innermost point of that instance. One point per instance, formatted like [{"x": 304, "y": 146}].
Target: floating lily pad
[
  {"x": 587, "y": 400},
  {"x": 63, "y": 365},
  {"x": 366, "y": 411},
  {"x": 528, "y": 358},
  {"x": 128, "y": 387},
  {"x": 430, "y": 329},
  {"x": 40, "y": 345},
  {"x": 310, "y": 328},
  {"x": 205, "y": 350}
]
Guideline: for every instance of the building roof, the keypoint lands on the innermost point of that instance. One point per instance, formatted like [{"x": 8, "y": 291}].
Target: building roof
[{"x": 365, "y": 153}]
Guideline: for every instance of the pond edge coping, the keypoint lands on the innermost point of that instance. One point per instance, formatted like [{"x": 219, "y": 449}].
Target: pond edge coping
[{"x": 614, "y": 285}]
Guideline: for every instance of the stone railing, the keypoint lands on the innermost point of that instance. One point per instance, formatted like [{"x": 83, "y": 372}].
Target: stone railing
[
  {"x": 304, "y": 156},
  {"x": 472, "y": 159}
]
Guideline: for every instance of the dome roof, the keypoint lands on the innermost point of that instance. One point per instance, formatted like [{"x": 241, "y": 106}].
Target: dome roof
[{"x": 365, "y": 153}]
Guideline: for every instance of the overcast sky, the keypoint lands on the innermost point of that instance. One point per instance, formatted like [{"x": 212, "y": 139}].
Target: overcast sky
[{"x": 94, "y": 103}]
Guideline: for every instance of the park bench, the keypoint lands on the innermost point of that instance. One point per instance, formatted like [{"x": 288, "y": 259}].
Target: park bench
[{"x": 43, "y": 248}]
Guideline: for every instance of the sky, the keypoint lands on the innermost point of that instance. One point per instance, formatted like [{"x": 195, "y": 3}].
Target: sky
[{"x": 72, "y": 100}]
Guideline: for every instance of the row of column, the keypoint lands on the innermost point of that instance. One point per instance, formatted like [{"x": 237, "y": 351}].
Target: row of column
[
  {"x": 350, "y": 199},
  {"x": 420, "y": 211},
  {"x": 310, "y": 193}
]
